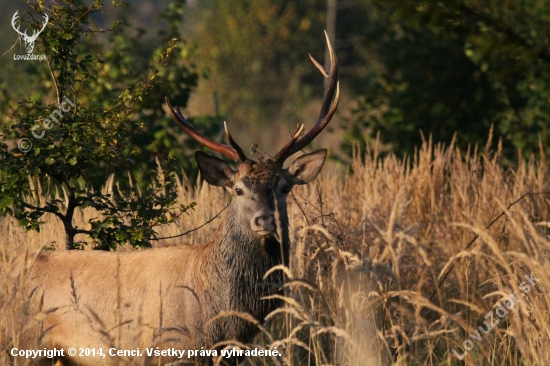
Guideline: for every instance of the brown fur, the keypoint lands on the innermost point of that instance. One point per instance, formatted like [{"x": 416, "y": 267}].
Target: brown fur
[{"x": 165, "y": 296}]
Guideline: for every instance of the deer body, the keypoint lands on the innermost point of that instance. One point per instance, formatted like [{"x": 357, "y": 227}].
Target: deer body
[
  {"x": 153, "y": 293},
  {"x": 172, "y": 297}
]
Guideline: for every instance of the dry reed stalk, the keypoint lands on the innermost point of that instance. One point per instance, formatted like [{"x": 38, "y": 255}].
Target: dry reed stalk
[{"x": 370, "y": 243}]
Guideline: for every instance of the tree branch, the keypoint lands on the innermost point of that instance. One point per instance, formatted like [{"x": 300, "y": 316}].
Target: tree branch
[
  {"x": 56, "y": 84},
  {"x": 43, "y": 210}
]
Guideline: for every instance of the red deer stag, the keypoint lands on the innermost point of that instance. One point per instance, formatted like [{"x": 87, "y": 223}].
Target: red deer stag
[{"x": 165, "y": 297}]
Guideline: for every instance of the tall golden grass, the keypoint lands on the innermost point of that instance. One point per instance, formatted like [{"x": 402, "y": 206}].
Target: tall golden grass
[{"x": 371, "y": 243}]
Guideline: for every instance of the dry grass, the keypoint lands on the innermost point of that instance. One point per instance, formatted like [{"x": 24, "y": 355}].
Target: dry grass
[{"x": 370, "y": 246}]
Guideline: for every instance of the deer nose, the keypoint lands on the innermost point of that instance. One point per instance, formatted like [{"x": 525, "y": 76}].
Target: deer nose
[{"x": 264, "y": 224}]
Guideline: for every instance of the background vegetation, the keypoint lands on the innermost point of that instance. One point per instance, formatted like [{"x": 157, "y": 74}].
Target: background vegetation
[
  {"x": 408, "y": 66},
  {"x": 374, "y": 238}
]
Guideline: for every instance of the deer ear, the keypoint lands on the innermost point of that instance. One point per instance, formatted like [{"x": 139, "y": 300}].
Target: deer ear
[
  {"x": 215, "y": 171},
  {"x": 304, "y": 169}
]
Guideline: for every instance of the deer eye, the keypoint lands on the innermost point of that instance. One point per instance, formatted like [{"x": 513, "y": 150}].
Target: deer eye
[{"x": 239, "y": 192}]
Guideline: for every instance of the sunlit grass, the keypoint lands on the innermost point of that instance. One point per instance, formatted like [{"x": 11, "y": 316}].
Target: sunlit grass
[{"x": 371, "y": 242}]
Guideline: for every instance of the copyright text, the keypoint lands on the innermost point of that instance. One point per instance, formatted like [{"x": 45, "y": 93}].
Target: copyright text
[{"x": 35, "y": 353}]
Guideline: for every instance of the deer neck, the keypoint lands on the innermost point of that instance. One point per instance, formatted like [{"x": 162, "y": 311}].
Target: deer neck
[
  {"x": 242, "y": 248},
  {"x": 236, "y": 263},
  {"x": 242, "y": 260}
]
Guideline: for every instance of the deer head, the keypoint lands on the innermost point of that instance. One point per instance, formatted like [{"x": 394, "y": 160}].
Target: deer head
[
  {"x": 259, "y": 188},
  {"x": 29, "y": 40}
]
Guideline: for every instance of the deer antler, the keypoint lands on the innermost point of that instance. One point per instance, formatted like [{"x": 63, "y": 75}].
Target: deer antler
[
  {"x": 236, "y": 147},
  {"x": 13, "y": 19},
  {"x": 234, "y": 152},
  {"x": 29, "y": 40},
  {"x": 327, "y": 108},
  {"x": 35, "y": 33},
  {"x": 289, "y": 144}
]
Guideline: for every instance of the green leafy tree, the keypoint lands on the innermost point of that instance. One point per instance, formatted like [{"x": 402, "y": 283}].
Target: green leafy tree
[
  {"x": 444, "y": 67},
  {"x": 92, "y": 129}
]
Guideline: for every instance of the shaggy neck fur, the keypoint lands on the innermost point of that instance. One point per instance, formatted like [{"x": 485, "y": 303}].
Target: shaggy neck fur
[{"x": 242, "y": 260}]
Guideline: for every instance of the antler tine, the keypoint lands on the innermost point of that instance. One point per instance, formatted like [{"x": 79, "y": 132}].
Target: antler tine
[
  {"x": 233, "y": 143},
  {"x": 327, "y": 108},
  {"x": 43, "y": 26},
  {"x": 200, "y": 138},
  {"x": 289, "y": 144},
  {"x": 46, "y": 22},
  {"x": 13, "y": 20}
]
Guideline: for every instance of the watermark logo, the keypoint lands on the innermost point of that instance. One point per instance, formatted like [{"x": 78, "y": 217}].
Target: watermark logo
[
  {"x": 28, "y": 40},
  {"x": 500, "y": 310},
  {"x": 25, "y": 144}
]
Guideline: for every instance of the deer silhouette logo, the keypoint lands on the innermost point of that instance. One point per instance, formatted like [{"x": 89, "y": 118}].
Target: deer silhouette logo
[{"x": 29, "y": 40}]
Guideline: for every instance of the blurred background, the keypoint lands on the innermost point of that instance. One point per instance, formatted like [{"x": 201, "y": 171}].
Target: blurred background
[
  {"x": 474, "y": 73},
  {"x": 408, "y": 69}
]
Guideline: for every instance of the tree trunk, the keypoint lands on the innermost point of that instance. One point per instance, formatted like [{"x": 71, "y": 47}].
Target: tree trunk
[
  {"x": 70, "y": 231},
  {"x": 69, "y": 239}
]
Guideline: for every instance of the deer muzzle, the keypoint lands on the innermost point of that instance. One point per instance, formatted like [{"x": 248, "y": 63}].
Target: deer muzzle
[{"x": 263, "y": 224}]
